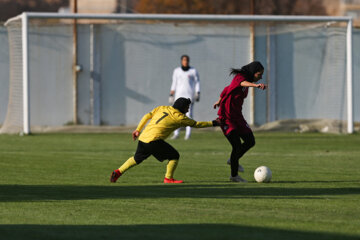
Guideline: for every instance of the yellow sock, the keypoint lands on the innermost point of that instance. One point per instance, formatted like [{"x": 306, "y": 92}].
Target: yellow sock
[
  {"x": 170, "y": 168},
  {"x": 127, "y": 165}
]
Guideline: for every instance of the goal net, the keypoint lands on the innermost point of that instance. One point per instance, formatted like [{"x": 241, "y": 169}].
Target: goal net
[
  {"x": 127, "y": 62},
  {"x": 14, "y": 118}
]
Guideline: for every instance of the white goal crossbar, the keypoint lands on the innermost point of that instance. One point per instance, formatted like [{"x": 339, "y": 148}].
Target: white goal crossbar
[{"x": 24, "y": 17}]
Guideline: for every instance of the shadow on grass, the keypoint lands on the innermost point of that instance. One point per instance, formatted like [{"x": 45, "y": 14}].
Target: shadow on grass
[
  {"x": 19, "y": 193},
  {"x": 331, "y": 181},
  {"x": 163, "y": 231}
]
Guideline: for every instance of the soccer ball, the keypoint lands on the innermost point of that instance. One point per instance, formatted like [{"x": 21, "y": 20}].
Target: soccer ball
[{"x": 263, "y": 174}]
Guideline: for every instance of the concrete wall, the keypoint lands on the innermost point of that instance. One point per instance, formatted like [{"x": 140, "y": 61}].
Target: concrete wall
[
  {"x": 50, "y": 64},
  {"x": 134, "y": 64},
  {"x": 137, "y": 62},
  {"x": 309, "y": 77}
]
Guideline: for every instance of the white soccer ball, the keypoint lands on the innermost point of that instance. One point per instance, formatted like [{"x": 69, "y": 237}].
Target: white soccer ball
[{"x": 263, "y": 174}]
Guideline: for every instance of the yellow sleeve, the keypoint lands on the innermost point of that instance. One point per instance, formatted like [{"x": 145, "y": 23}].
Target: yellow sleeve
[
  {"x": 192, "y": 123},
  {"x": 145, "y": 118}
]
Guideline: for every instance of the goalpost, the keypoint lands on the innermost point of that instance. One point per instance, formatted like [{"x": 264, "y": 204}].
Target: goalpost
[{"x": 23, "y": 19}]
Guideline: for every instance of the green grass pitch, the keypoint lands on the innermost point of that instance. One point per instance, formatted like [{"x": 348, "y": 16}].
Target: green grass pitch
[{"x": 56, "y": 186}]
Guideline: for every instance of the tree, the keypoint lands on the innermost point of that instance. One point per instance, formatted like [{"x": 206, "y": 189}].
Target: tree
[
  {"x": 193, "y": 6},
  {"x": 11, "y": 8},
  {"x": 271, "y": 7}
]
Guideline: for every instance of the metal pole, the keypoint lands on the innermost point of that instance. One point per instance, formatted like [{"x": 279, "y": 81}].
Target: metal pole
[
  {"x": 252, "y": 58},
  {"x": 349, "y": 78},
  {"x": 75, "y": 36},
  {"x": 271, "y": 75},
  {"x": 268, "y": 70},
  {"x": 92, "y": 71},
  {"x": 196, "y": 17},
  {"x": 25, "y": 63},
  {"x": 95, "y": 79}
]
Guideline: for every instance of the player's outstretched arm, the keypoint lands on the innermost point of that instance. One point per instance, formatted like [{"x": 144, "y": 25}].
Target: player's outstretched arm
[
  {"x": 261, "y": 86},
  {"x": 135, "y": 134},
  {"x": 142, "y": 123},
  {"x": 198, "y": 124},
  {"x": 216, "y": 122},
  {"x": 250, "y": 84},
  {"x": 217, "y": 103}
]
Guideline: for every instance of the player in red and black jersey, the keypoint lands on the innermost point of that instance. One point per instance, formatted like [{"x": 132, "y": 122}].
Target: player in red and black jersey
[{"x": 234, "y": 125}]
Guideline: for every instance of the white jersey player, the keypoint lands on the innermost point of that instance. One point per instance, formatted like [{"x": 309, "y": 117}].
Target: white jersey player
[{"x": 185, "y": 83}]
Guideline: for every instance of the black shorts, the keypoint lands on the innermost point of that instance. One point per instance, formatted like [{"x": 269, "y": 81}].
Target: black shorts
[{"x": 160, "y": 149}]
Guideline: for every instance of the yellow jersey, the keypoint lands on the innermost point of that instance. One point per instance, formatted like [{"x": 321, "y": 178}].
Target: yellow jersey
[{"x": 164, "y": 120}]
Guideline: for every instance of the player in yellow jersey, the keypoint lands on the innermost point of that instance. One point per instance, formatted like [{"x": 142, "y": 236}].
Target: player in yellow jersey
[{"x": 163, "y": 121}]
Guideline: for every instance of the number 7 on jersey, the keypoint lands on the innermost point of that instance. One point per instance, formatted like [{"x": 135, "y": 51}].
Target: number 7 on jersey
[{"x": 164, "y": 116}]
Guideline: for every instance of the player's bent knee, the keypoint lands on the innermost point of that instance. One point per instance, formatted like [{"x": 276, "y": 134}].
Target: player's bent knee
[
  {"x": 176, "y": 156},
  {"x": 252, "y": 143},
  {"x": 138, "y": 160},
  {"x": 249, "y": 142}
]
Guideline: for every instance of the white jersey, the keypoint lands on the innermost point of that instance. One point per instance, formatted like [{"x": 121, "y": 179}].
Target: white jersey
[{"x": 185, "y": 83}]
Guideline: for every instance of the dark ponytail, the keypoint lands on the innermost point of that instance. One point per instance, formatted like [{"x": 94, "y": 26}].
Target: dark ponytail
[
  {"x": 234, "y": 71},
  {"x": 248, "y": 70}
]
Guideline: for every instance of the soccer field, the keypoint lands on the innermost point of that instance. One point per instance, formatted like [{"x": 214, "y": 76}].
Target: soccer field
[{"x": 56, "y": 186}]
